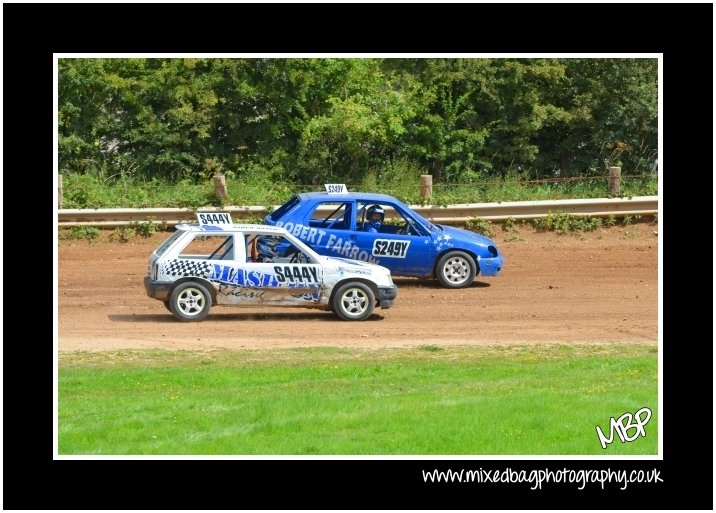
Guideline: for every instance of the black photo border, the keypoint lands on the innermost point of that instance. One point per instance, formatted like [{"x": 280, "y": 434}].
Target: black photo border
[{"x": 33, "y": 33}]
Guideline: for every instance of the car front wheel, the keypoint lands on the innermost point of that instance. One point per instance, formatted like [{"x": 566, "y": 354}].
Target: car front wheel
[
  {"x": 190, "y": 302},
  {"x": 455, "y": 270},
  {"x": 354, "y": 302}
]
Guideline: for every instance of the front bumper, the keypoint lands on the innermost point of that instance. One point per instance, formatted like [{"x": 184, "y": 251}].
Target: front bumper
[
  {"x": 491, "y": 266},
  {"x": 157, "y": 289},
  {"x": 387, "y": 295}
]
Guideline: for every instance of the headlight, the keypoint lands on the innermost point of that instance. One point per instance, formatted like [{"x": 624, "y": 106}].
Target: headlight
[{"x": 492, "y": 250}]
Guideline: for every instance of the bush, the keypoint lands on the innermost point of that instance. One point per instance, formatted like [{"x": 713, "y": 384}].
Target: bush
[
  {"x": 510, "y": 225},
  {"x": 479, "y": 225},
  {"x": 122, "y": 234},
  {"x": 553, "y": 222},
  {"x": 82, "y": 233},
  {"x": 562, "y": 222},
  {"x": 145, "y": 229}
]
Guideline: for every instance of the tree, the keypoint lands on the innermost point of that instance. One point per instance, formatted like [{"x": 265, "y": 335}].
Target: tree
[
  {"x": 307, "y": 119},
  {"x": 620, "y": 100},
  {"x": 362, "y": 121}
]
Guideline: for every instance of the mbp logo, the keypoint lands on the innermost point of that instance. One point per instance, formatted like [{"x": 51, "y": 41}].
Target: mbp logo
[{"x": 623, "y": 424}]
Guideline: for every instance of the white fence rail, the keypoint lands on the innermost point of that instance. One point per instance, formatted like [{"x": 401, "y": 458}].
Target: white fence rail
[{"x": 452, "y": 214}]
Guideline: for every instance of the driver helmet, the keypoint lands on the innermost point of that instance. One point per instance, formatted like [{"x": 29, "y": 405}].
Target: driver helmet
[
  {"x": 376, "y": 216},
  {"x": 266, "y": 246}
]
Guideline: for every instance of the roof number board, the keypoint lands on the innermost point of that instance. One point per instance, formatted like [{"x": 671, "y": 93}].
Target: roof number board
[
  {"x": 214, "y": 218},
  {"x": 336, "y": 188}
]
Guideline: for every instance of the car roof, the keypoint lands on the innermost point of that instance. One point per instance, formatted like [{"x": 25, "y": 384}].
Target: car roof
[
  {"x": 369, "y": 196},
  {"x": 263, "y": 228}
]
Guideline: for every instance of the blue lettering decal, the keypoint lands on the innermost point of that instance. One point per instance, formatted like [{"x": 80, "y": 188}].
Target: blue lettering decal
[{"x": 253, "y": 279}]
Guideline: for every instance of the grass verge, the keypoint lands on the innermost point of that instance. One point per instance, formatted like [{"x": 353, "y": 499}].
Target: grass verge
[
  {"x": 427, "y": 400},
  {"x": 87, "y": 191}
]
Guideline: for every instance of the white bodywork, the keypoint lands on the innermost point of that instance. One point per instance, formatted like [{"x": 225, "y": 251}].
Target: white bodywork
[{"x": 238, "y": 280}]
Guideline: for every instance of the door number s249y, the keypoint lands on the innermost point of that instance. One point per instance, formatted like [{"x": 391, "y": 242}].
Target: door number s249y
[{"x": 390, "y": 248}]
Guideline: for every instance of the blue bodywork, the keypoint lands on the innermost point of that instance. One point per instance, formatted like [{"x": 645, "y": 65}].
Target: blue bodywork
[{"x": 407, "y": 243}]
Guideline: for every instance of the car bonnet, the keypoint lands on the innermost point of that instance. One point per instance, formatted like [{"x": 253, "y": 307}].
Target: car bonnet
[{"x": 468, "y": 236}]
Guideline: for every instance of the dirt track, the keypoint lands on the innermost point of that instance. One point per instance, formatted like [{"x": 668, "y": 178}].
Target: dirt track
[{"x": 596, "y": 287}]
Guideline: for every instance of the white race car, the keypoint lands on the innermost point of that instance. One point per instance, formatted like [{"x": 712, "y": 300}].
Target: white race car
[{"x": 217, "y": 262}]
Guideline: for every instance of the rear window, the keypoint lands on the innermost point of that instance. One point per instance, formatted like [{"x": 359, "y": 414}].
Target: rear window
[
  {"x": 280, "y": 211},
  {"x": 167, "y": 243}
]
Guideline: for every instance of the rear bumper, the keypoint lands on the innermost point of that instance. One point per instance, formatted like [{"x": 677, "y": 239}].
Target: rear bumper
[
  {"x": 387, "y": 295},
  {"x": 157, "y": 289}
]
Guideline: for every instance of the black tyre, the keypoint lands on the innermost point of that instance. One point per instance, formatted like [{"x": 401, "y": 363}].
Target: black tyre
[
  {"x": 190, "y": 301},
  {"x": 166, "y": 304},
  {"x": 455, "y": 270},
  {"x": 354, "y": 301}
]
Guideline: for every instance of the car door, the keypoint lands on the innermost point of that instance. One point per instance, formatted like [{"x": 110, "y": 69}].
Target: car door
[
  {"x": 407, "y": 254},
  {"x": 231, "y": 272},
  {"x": 286, "y": 277},
  {"x": 328, "y": 227}
]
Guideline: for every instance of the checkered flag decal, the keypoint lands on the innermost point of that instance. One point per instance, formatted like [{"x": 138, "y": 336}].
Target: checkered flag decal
[{"x": 181, "y": 268}]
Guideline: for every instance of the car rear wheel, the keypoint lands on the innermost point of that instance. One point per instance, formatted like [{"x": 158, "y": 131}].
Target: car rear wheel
[
  {"x": 354, "y": 301},
  {"x": 190, "y": 301},
  {"x": 455, "y": 270}
]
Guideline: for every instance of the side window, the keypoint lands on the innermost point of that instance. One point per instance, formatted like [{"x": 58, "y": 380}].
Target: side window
[
  {"x": 332, "y": 215},
  {"x": 274, "y": 249},
  {"x": 209, "y": 247},
  {"x": 384, "y": 218}
]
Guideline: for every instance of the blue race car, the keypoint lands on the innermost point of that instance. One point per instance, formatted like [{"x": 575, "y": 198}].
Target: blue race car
[{"x": 381, "y": 229}]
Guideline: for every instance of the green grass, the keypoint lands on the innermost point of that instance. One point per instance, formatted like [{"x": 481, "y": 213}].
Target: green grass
[
  {"x": 87, "y": 191},
  {"x": 521, "y": 400}
]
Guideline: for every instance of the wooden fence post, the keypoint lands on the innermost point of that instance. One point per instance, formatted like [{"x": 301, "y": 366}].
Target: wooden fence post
[
  {"x": 59, "y": 191},
  {"x": 220, "y": 186},
  {"x": 426, "y": 187},
  {"x": 615, "y": 178}
]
